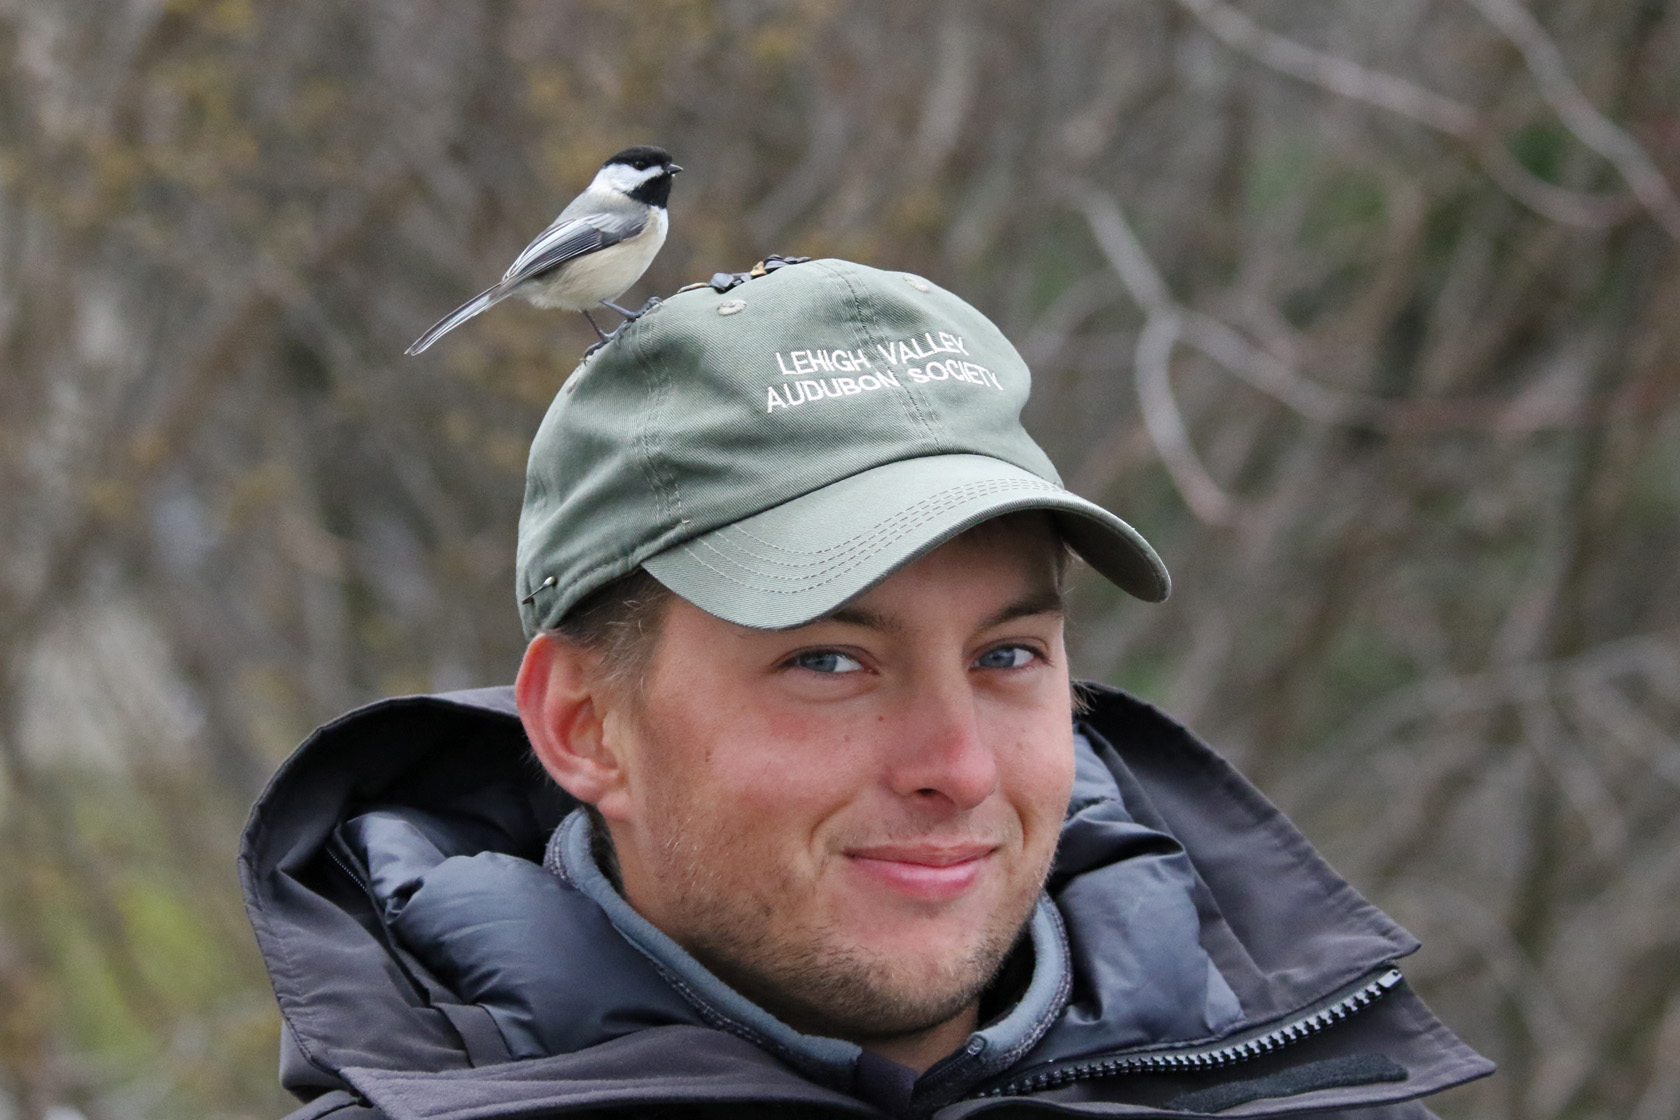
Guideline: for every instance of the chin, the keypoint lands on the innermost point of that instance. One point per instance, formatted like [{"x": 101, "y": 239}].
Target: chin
[
  {"x": 871, "y": 993},
  {"x": 923, "y": 941}
]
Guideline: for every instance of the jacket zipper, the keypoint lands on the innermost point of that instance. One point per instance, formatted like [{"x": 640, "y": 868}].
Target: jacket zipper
[{"x": 1213, "y": 1057}]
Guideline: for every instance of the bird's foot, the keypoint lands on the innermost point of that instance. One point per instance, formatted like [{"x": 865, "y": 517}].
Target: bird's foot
[
  {"x": 629, "y": 317},
  {"x": 605, "y": 337},
  {"x": 632, "y": 316}
]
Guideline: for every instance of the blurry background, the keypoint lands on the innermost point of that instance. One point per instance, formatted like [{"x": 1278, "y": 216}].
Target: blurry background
[{"x": 1367, "y": 314}]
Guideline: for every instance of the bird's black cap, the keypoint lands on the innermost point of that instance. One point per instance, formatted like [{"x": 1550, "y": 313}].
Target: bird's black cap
[{"x": 645, "y": 154}]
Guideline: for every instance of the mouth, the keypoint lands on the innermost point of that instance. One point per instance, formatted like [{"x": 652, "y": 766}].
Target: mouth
[{"x": 923, "y": 872}]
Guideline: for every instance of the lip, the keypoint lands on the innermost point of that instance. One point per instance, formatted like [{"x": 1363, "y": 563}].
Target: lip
[{"x": 923, "y": 872}]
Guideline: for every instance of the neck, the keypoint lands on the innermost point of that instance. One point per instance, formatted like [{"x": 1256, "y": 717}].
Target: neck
[{"x": 922, "y": 1049}]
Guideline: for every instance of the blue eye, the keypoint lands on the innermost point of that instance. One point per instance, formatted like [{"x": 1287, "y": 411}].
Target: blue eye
[
  {"x": 826, "y": 661},
  {"x": 1006, "y": 657}
]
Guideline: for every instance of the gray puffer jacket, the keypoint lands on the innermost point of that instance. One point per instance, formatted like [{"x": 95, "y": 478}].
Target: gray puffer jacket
[{"x": 444, "y": 947}]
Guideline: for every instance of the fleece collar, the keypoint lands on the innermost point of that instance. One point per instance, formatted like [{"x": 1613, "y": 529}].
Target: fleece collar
[
  {"x": 563, "y": 963},
  {"x": 829, "y": 1061}
]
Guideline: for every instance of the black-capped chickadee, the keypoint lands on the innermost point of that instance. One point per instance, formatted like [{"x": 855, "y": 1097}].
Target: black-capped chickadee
[{"x": 600, "y": 244}]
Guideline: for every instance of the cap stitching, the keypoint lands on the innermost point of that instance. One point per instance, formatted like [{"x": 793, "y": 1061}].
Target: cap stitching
[
  {"x": 864, "y": 544},
  {"x": 803, "y": 586},
  {"x": 868, "y": 332},
  {"x": 832, "y": 574},
  {"x": 966, "y": 489},
  {"x": 665, "y": 488},
  {"x": 586, "y": 581}
]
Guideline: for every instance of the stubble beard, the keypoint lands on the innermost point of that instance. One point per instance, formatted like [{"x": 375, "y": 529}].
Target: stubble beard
[{"x": 810, "y": 975}]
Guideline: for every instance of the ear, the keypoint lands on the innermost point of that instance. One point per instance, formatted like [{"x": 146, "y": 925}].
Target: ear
[{"x": 563, "y": 705}]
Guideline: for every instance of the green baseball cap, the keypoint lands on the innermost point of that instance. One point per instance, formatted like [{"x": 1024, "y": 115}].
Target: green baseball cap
[{"x": 771, "y": 450}]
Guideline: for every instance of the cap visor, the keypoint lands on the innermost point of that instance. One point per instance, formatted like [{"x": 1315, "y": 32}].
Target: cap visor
[{"x": 798, "y": 561}]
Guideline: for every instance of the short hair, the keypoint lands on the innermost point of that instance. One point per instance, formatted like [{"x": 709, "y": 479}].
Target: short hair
[{"x": 619, "y": 622}]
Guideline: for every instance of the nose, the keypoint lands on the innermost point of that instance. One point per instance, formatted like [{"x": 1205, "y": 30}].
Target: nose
[{"x": 943, "y": 757}]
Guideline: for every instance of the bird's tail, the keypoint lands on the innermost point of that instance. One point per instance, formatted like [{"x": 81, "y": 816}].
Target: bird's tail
[{"x": 488, "y": 298}]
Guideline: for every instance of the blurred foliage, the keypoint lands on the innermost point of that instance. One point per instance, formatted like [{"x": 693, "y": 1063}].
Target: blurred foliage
[{"x": 1363, "y": 313}]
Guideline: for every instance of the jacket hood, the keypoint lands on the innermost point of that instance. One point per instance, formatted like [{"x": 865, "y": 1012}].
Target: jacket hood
[{"x": 423, "y": 954}]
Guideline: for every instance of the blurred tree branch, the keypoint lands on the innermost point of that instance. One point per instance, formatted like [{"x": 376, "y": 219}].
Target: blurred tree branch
[
  {"x": 1398, "y": 95},
  {"x": 1395, "y": 393}
]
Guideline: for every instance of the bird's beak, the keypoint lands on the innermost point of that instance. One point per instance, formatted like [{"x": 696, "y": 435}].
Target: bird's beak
[{"x": 674, "y": 168}]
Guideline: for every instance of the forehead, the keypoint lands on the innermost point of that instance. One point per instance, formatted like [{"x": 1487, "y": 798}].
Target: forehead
[
  {"x": 1017, "y": 559},
  {"x": 1029, "y": 534}
]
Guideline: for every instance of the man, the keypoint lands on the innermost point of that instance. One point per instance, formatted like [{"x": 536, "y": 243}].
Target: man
[{"x": 829, "y": 831}]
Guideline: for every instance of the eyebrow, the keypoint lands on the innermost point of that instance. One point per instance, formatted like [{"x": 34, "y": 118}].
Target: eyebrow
[{"x": 1042, "y": 600}]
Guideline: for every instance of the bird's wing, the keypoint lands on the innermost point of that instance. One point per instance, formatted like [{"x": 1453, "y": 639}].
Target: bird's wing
[
  {"x": 569, "y": 238},
  {"x": 566, "y": 239}
]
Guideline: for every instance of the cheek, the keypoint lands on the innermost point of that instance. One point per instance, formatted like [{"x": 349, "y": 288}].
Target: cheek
[
  {"x": 764, "y": 781},
  {"x": 1041, "y": 779},
  {"x": 1054, "y": 783}
]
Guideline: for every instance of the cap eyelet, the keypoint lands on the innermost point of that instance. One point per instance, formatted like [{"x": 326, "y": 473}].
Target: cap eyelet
[
  {"x": 917, "y": 283},
  {"x": 730, "y": 307}
]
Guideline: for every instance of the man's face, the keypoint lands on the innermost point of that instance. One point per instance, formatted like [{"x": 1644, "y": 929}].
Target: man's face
[{"x": 851, "y": 821}]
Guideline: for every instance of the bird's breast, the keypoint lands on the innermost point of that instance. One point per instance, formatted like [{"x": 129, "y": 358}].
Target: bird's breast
[{"x": 585, "y": 281}]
